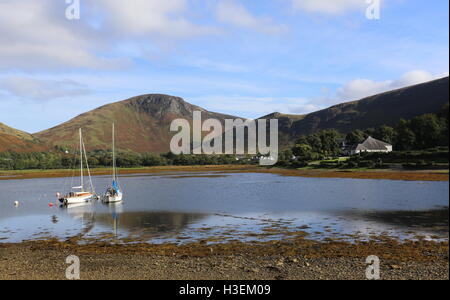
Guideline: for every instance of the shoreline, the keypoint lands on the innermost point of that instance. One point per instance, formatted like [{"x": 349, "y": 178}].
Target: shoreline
[
  {"x": 390, "y": 174},
  {"x": 296, "y": 258}
]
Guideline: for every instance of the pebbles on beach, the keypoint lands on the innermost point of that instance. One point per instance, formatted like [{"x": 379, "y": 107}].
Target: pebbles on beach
[{"x": 46, "y": 260}]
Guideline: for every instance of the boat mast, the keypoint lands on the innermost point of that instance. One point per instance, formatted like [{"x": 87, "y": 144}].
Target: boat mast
[
  {"x": 81, "y": 159},
  {"x": 87, "y": 167},
  {"x": 114, "y": 153}
]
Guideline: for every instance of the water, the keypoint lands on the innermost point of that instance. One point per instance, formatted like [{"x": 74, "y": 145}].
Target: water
[{"x": 183, "y": 207}]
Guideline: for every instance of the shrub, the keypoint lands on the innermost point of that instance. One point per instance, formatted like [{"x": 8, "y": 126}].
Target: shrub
[
  {"x": 352, "y": 165},
  {"x": 366, "y": 164}
]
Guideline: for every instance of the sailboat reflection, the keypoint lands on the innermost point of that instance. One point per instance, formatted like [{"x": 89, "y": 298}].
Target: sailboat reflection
[
  {"x": 146, "y": 225},
  {"x": 80, "y": 211},
  {"x": 84, "y": 212},
  {"x": 115, "y": 209}
]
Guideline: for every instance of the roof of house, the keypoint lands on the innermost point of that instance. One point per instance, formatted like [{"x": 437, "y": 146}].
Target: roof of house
[{"x": 372, "y": 144}]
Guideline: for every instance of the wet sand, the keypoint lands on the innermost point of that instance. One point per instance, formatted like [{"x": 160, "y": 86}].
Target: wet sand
[
  {"x": 281, "y": 260},
  {"x": 422, "y": 175}
]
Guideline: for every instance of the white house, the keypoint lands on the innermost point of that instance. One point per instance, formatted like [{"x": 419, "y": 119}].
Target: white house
[{"x": 372, "y": 145}]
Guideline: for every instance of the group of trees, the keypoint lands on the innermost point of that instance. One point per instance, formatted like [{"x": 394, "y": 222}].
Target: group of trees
[
  {"x": 60, "y": 160},
  {"x": 10, "y": 160},
  {"x": 420, "y": 133},
  {"x": 316, "y": 146}
]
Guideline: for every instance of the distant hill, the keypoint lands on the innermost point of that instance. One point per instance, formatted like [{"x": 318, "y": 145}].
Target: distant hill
[
  {"x": 142, "y": 124},
  {"x": 15, "y": 140},
  {"x": 383, "y": 109},
  {"x": 15, "y": 132}
]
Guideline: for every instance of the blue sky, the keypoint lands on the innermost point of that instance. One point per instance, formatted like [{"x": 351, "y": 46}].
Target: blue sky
[{"x": 242, "y": 57}]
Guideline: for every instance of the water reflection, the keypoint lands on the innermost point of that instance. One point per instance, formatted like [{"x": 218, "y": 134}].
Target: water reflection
[
  {"x": 434, "y": 221},
  {"x": 178, "y": 205},
  {"x": 84, "y": 212},
  {"x": 54, "y": 219},
  {"x": 113, "y": 217},
  {"x": 115, "y": 210},
  {"x": 147, "y": 225}
]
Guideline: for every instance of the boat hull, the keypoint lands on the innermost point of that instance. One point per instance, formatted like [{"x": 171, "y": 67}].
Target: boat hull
[
  {"x": 77, "y": 199},
  {"x": 112, "y": 199}
]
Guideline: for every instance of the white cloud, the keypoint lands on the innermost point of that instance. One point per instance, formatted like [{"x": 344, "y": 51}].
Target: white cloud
[
  {"x": 30, "y": 88},
  {"x": 233, "y": 13},
  {"x": 35, "y": 35},
  {"x": 210, "y": 65},
  {"x": 360, "y": 88},
  {"x": 328, "y": 6},
  {"x": 149, "y": 17},
  {"x": 31, "y": 36}
]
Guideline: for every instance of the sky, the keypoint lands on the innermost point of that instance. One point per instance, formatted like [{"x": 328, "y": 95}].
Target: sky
[{"x": 241, "y": 57}]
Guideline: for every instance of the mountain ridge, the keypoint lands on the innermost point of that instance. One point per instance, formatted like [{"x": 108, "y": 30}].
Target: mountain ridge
[
  {"x": 381, "y": 109},
  {"x": 143, "y": 122},
  {"x": 149, "y": 116}
]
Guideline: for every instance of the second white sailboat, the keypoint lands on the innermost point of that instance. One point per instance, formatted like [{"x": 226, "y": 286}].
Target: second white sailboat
[{"x": 114, "y": 193}]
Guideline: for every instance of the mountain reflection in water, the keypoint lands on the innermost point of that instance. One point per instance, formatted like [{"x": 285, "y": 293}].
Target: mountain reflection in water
[
  {"x": 435, "y": 221},
  {"x": 183, "y": 207}
]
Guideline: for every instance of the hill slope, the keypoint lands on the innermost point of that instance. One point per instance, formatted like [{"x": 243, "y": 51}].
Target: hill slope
[
  {"x": 383, "y": 109},
  {"x": 142, "y": 124},
  {"x": 14, "y": 132},
  {"x": 15, "y": 140}
]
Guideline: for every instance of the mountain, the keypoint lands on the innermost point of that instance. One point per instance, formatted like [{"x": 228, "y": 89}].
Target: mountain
[
  {"x": 142, "y": 124},
  {"x": 382, "y": 109},
  {"x": 15, "y": 140}
]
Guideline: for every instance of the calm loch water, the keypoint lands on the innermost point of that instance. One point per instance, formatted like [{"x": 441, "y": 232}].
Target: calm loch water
[{"x": 180, "y": 207}]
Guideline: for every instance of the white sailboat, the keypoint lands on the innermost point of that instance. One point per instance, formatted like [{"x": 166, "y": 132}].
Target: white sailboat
[
  {"x": 78, "y": 193},
  {"x": 114, "y": 193}
]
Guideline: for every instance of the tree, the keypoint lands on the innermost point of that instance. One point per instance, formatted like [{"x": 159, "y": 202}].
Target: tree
[
  {"x": 428, "y": 130},
  {"x": 355, "y": 137},
  {"x": 385, "y": 133},
  {"x": 150, "y": 160},
  {"x": 330, "y": 145},
  {"x": 302, "y": 151},
  {"x": 286, "y": 155},
  {"x": 406, "y": 138}
]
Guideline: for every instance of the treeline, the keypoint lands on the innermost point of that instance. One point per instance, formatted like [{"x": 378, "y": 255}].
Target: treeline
[
  {"x": 420, "y": 133},
  {"x": 58, "y": 160}
]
